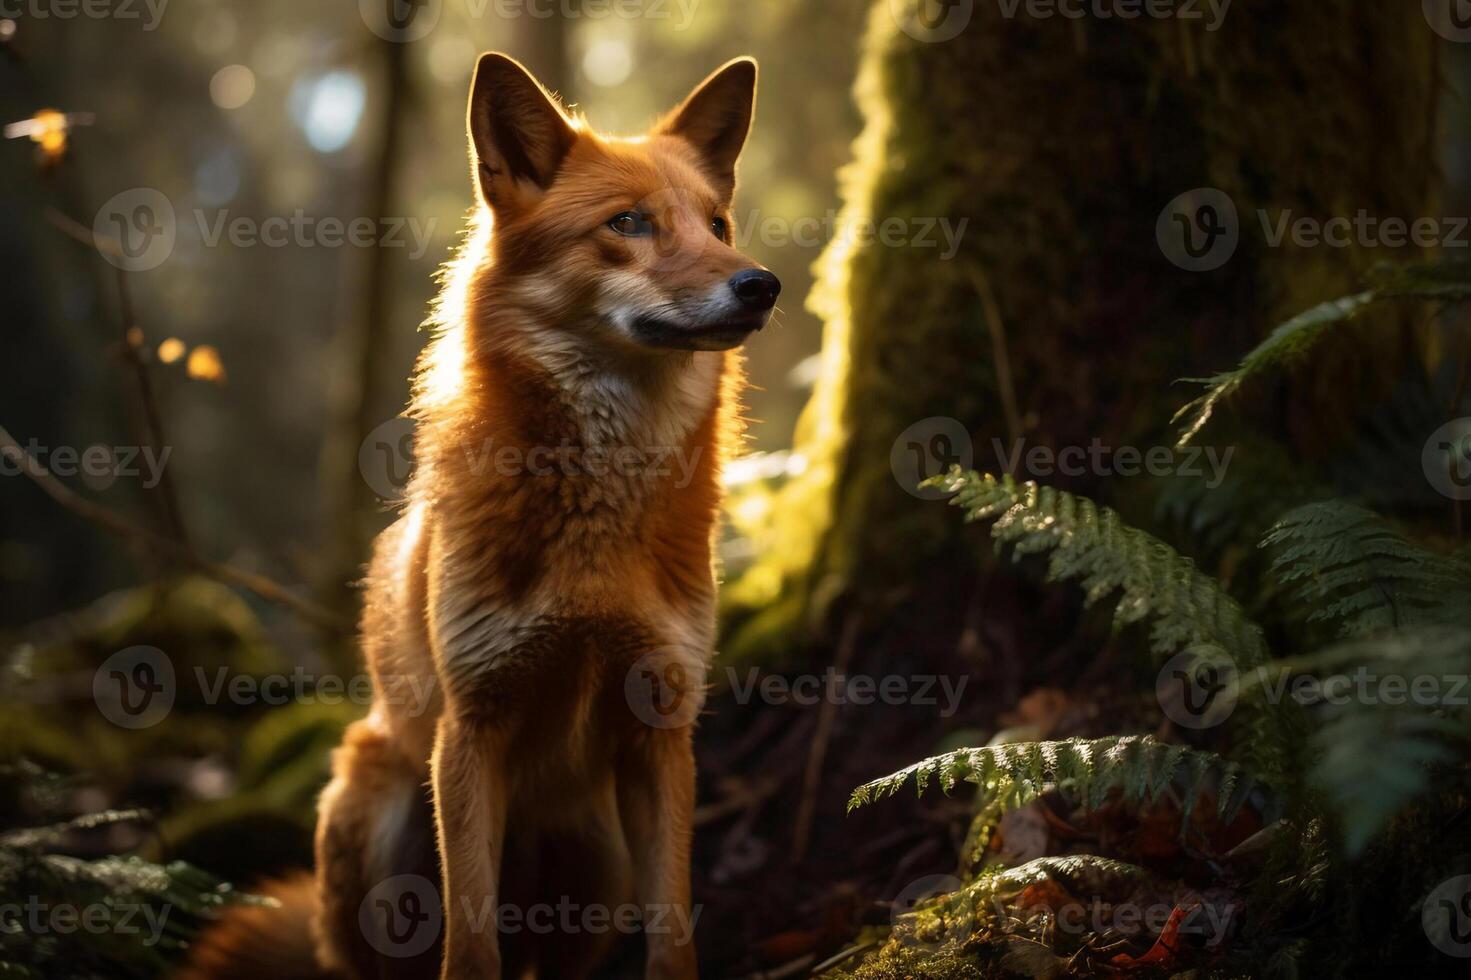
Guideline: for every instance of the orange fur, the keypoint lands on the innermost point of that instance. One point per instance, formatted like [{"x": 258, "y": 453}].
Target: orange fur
[{"x": 525, "y": 581}]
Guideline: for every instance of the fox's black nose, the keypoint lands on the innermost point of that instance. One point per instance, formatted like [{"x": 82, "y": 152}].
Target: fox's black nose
[{"x": 757, "y": 289}]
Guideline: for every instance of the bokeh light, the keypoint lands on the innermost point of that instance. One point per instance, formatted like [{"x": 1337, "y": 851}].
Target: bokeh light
[
  {"x": 328, "y": 109},
  {"x": 232, "y": 86}
]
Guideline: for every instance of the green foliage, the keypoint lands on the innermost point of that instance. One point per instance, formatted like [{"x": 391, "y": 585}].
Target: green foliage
[
  {"x": 108, "y": 918},
  {"x": 1380, "y": 763},
  {"x": 1090, "y": 544},
  {"x": 1137, "y": 767},
  {"x": 1378, "y": 747},
  {"x": 1349, "y": 566},
  {"x": 1294, "y": 341},
  {"x": 1147, "y": 581}
]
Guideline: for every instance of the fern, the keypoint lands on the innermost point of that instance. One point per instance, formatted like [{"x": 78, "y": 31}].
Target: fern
[
  {"x": 1292, "y": 341},
  {"x": 1351, "y": 567},
  {"x": 147, "y": 912},
  {"x": 1091, "y": 544},
  {"x": 1185, "y": 609},
  {"x": 1138, "y": 767},
  {"x": 1377, "y": 751}
]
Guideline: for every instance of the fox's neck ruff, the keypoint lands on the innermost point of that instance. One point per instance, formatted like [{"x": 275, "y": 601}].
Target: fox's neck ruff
[{"x": 506, "y": 371}]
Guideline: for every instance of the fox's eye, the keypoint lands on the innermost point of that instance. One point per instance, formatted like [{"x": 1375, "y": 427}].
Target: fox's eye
[
  {"x": 719, "y": 227},
  {"x": 630, "y": 224}
]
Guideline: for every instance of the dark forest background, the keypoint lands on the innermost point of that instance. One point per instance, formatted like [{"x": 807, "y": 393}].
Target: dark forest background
[{"x": 273, "y": 377}]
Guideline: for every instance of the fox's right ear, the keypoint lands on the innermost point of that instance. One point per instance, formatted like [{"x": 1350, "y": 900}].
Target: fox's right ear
[{"x": 518, "y": 135}]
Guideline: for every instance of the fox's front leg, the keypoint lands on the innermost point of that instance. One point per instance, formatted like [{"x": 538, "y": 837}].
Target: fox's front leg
[
  {"x": 468, "y": 771},
  {"x": 656, "y": 796}
]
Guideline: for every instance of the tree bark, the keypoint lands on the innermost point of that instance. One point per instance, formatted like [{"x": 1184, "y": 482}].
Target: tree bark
[{"x": 1061, "y": 319}]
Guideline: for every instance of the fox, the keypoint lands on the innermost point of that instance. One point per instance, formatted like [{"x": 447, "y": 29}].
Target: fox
[{"x": 549, "y": 578}]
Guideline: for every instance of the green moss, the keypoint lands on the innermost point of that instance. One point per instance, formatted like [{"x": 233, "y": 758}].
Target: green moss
[{"x": 1059, "y": 142}]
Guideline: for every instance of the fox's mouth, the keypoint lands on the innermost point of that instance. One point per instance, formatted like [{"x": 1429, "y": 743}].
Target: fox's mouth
[{"x": 656, "y": 331}]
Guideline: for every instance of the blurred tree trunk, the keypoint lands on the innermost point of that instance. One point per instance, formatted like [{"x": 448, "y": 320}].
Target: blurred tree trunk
[
  {"x": 1061, "y": 141},
  {"x": 352, "y": 507}
]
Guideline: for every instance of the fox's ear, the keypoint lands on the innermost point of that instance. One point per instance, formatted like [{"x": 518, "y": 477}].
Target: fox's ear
[
  {"x": 717, "y": 116},
  {"x": 518, "y": 135}
]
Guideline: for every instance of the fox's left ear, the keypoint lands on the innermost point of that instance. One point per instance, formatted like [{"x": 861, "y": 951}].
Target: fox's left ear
[{"x": 717, "y": 116}]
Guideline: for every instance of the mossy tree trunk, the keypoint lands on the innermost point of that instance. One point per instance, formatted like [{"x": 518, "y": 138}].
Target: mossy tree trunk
[{"x": 1060, "y": 142}]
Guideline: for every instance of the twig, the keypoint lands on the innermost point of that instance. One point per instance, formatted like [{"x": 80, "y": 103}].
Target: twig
[
  {"x": 747, "y": 796},
  {"x": 1452, "y": 410},
  {"x": 999, "y": 353},
  {"x": 114, "y": 523},
  {"x": 812, "y": 778},
  {"x": 800, "y": 966},
  {"x": 152, "y": 417}
]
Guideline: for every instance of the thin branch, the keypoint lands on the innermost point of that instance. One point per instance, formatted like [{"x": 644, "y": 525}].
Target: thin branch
[
  {"x": 1000, "y": 354},
  {"x": 120, "y": 526},
  {"x": 812, "y": 778},
  {"x": 152, "y": 417}
]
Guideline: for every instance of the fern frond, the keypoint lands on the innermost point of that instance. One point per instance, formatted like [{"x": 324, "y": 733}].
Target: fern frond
[
  {"x": 1288, "y": 343},
  {"x": 1291, "y": 342},
  {"x": 1351, "y": 567},
  {"x": 1378, "y": 745},
  {"x": 1137, "y": 767},
  {"x": 1092, "y": 545}
]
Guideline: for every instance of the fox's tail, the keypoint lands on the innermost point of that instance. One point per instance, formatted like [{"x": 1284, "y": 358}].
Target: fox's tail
[{"x": 250, "y": 942}]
